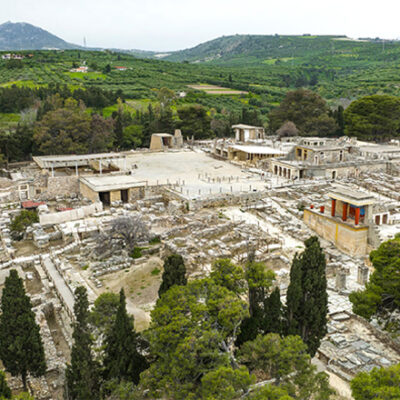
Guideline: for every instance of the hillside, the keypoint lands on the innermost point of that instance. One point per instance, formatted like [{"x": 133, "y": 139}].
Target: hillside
[
  {"x": 24, "y": 36},
  {"x": 268, "y": 49}
]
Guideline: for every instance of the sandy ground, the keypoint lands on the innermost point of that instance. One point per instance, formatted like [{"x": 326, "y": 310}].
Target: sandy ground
[
  {"x": 140, "y": 286},
  {"x": 194, "y": 172}
]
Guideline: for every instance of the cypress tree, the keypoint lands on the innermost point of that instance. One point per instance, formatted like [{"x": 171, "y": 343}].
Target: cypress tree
[
  {"x": 307, "y": 299},
  {"x": 21, "y": 349},
  {"x": 259, "y": 281},
  {"x": 273, "y": 313},
  {"x": 174, "y": 273},
  {"x": 122, "y": 359},
  {"x": 82, "y": 373}
]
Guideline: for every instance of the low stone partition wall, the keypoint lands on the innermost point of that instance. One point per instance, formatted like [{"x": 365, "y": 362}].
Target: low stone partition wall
[{"x": 70, "y": 215}]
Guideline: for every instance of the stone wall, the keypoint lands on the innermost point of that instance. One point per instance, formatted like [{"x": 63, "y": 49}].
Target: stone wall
[
  {"x": 88, "y": 193},
  {"x": 70, "y": 215},
  {"x": 64, "y": 186},
  {"x": 351, "y": 240}
]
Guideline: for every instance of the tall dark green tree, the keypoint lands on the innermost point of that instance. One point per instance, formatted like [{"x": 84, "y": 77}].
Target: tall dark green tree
[
  {"x": 21, "y": 349},
  {"x": 174, "y": 273},
  {"x": 259, "y": 281},
  {"x": 307, "y": 299},
  {"x": 273, "y": 313},
  {"x": 122, "y": 359},
  {"x": 82, "y": 373}
]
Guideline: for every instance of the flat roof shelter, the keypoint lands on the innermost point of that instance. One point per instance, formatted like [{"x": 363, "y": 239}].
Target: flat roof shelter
[
  {"x": 112, "y": 188},
  {"x": 76, "y": 161},
  {"x": 351, "y": 204},
  {"x": 253, "y": 153}
]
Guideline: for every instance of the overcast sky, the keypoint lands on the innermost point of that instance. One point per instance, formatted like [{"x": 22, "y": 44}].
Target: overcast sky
[{"x": 177, "y": 24}]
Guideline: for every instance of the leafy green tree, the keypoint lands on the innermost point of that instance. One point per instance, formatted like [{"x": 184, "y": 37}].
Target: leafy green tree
[
  {"x": 63, "y": 131},
  {"x": 192, "y": 332},
  {"x": 307, "y": 110},
  {"x": 194, "y": 121},
  {"x": 225, "y": 383},
  {"x": 165, "y": 96},
  {"x": 82, "y": 374},
  {"x": 104, "y": 311},
  {"x": 174, "y": 273},
  {"x": 101, "y": 137},
  {"x": 379, "y": 384},
  {"x": 21, "y": 221},
  {"x": 132, "y": 137},
  {"x": 225, "y": 273},
  {"x": 269, "y": 392},
  {"x": 287, "y": 362},
  {"x": 307, "y": 299},
  {"x": 373, "y": 118},
  {"x": 5, "y": 391},
  {"x": 21, "y": 349},
  {"x": 382, "y": 292},
  {"x": 122, "y": 357}
]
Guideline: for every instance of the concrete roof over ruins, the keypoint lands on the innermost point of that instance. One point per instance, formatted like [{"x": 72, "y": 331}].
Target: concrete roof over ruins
[
  {"x": 258, "y": 150},
  {"x": 109, "y": 183},
  {"x": 73, "y": 159},
  {"x": 242, "y": 126},
  {"x": 354, "y": 197}
]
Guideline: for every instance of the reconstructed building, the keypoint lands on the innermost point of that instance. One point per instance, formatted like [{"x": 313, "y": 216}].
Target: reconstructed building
[
  {"x": 108, "y": 189},
  {"x": 346, "y": 222},
  {"x": 165, "y": 141},
  {"x": 324, "y": 158},
  {"x": 246, "y": 133}
]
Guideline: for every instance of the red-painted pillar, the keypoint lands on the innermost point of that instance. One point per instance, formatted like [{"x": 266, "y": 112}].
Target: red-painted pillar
[
  {"x": 357, "y": 217},
  {"x": 344, "y": 216},
  {"x": 333, "y": 207}
]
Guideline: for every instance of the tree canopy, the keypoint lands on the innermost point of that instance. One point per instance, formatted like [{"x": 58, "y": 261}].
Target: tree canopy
[
  {"x": 192, "y": 330},
  {"x": 374, "y": 117},
  {"x": 307, "y": 111},
  {"x": 379, "y": 384},
  {"x": 382, "y": 292}
]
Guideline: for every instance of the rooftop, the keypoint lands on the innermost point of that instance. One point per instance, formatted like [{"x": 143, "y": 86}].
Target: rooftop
[
  {"x": 258, "y": 149},
  {"x": 354, "y": 197},
  {"x": 111, "y": 182},
  {"x": 242, "y": 126},
  {"x": 162, "y": 134},
  {"x": 73, "y": 159}
]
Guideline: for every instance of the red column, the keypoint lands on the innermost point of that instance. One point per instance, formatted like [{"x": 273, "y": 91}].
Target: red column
[
  {"x": 344, "y": 216},
  {"x": 357, "y": 217},
  {"x": 333, "y": 207}
]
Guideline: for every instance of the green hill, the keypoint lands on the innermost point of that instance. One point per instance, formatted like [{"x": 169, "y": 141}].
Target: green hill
[{"x": 272, "y": 49}]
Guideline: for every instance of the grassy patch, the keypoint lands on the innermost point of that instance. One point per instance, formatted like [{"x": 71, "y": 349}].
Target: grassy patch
[
  {"x": 21, "y": 83},
  {"x": 155, "y": 240},
  {"x": 86, "y": 75},
  {"x": 155, "y": 272},
  {"x": 136, "y": 252}
]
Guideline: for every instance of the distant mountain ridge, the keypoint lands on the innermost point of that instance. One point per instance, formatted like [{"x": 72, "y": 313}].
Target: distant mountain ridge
[
  {"x": 227, "y": 48},
  {"x": 23, "y": 36}
]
